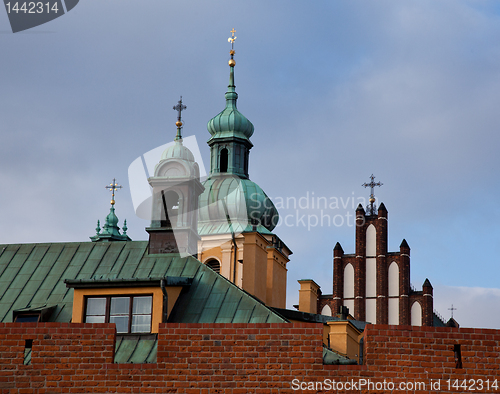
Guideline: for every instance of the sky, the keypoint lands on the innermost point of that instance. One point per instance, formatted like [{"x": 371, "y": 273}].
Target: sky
[{"x": 336, "y": 90}]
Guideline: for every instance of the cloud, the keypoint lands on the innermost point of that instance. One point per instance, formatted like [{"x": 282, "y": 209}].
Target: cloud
[{"x": 476, "y": 306}]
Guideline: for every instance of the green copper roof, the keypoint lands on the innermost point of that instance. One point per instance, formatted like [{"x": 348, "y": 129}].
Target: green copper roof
[
  {"x": 230, "y": 122},
  {"x": 241, "y": 199},
  {"x": 32, "y": 276},
  {"x": 110, "y": 230}
]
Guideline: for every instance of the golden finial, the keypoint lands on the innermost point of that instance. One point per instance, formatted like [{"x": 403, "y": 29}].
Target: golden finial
[
  {"x": 179, "y": 108},
  {"x": 231, "y": 39}
]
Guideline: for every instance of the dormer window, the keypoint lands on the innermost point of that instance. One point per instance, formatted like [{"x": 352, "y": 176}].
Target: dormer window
[
  {"x": 135, "y": 306},
  {"x": 33, "y": 315},
  {"x": 131, "y": 314}
]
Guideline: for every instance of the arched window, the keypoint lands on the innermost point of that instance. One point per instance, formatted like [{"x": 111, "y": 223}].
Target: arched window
[
  {"x": 393, "y": 294},
  {"x": 213, "y": 264},
  {"x": 223, "y": 160},
  {"x": 349, "y": 288},
  {"x": 349, "y": 281},
  {"x": 327, "y": 311},
  {"x": 416, "y": 314}
]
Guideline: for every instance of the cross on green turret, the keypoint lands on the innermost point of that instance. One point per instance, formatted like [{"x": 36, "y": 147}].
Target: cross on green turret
[
  {"x": 113, "y": 186},
  {"x": 179, "y": 108},
  {"x": 372, "y": 184},
  {"x": 110, "y": 230}
]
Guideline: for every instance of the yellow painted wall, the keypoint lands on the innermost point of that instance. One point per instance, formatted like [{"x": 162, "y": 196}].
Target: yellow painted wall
[
  {"x": 344, "y": 338},
  {"x": 308, "y": 296},
  {"x": 276, "y": 279},
  {"x": 255, "y": 265},
  {"x": 263, "y": 272},
  {"x": 156, "y": 318},
  {"x": 214, "y": 253}
]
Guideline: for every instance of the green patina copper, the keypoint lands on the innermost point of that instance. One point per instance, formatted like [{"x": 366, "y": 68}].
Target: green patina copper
[
  {"x": 242, "y": 200},
  {"x": 231, "y": 202},
  {"x": 230, "y": 122},
  {"x": 33, "y": 276},
  {"x": 110, "y": 230}
]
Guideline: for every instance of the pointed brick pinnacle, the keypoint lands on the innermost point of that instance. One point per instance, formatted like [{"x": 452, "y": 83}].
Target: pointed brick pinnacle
[
  {"x": 360, "y": 208},
  {"x": 382, "y": 207},
  {"x": 427, "y": 283},
  {"x": 404, "y": 244},
  {"x": 338, "y": 247}
]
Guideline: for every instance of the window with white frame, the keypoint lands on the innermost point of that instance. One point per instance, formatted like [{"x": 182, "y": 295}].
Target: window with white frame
[{"x": 131, "y": 314}]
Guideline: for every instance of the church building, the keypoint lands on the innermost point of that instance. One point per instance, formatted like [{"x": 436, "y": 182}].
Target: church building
[
  {"x": 236, "y": 217},
  {"x": 373, "y": 283}
]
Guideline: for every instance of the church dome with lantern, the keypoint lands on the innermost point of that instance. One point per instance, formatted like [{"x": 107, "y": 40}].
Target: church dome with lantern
[{"x": 231, "y": 201}]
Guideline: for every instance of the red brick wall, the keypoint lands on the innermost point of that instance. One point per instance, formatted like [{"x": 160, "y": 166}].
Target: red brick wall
[{"x": 238, "y": 358}]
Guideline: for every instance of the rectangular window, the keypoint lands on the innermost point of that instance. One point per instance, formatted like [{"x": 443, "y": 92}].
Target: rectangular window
[{"x": 131, "y": 314}]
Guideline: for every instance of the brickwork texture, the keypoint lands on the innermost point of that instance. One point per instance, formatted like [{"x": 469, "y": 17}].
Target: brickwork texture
[{"x": 242, "y": 358}]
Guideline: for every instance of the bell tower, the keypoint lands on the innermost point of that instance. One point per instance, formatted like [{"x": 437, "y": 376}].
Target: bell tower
[
  {"x": 236, "y": 217},
  {"x": 176, "y": 188}
]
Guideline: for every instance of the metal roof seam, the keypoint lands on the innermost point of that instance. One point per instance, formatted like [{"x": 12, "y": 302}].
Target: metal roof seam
[
  {"x": 6, "y": 265},
  {"x": 44, "y": 279},
  {"x": 251, "y": 313},
  {"x": 118, "y": 257},
  {"x": 65, "y": 269},
  {"x": 222, "y": 303}
]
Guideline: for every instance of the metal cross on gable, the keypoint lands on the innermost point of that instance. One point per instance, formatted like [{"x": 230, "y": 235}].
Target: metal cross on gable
[
  {"x": 371, "y": 185},
  {"x": 113, "y": 186},
  {"x": 452, "y": 309},
  {"x": 179, "y": 108}
]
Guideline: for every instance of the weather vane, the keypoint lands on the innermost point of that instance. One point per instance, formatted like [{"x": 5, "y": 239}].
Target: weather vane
[
  {"x": 372, "y": 184},
  {"x": 112, "y": 187}
]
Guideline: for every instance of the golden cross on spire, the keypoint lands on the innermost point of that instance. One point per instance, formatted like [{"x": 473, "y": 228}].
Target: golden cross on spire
[
  {"x": 231, "y": 40},
  {"x": 112, "y": 187}
]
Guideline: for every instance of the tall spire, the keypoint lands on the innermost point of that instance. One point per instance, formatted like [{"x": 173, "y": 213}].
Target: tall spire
[
  {"x": 230, "y": 123},
  {"x": 372, "y": 208},
  {"x": 231, "y": 94},
  {"x": 110, "y": 230}
]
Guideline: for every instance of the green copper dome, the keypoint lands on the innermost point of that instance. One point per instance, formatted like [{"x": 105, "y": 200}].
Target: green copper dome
[
  {"x": 230, "y": 122},
  {"x": 231, "y": 202},
  {"x": 242, "y": 200}
]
